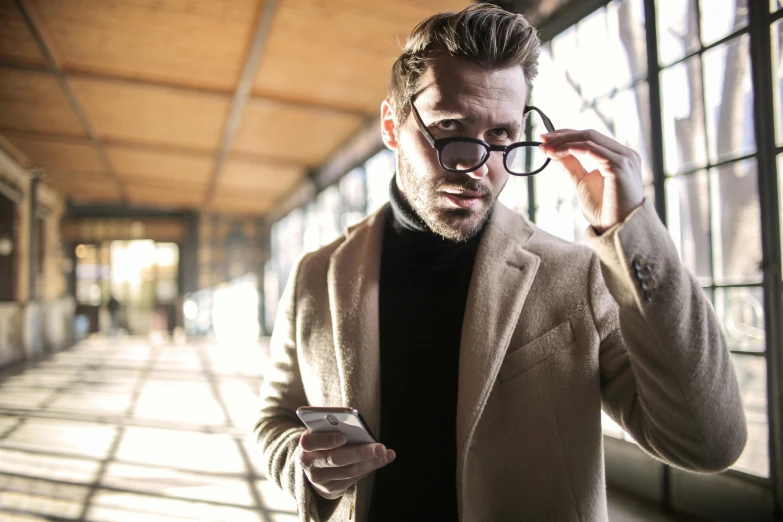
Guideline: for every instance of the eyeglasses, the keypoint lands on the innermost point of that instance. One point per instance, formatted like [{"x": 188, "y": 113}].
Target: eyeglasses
[{"x": 523, "y": 158}]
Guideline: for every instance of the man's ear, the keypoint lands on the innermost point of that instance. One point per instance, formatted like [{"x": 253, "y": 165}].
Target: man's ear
[{"x": 389, "y": 128}]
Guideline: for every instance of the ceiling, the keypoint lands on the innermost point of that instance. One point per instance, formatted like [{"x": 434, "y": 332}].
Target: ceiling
[{"x": 216, "y": 106}]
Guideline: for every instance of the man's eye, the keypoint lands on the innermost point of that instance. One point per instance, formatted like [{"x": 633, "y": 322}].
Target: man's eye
[
  {"x": 500, "y": 133},
  {"x": 448, "y": 125}
]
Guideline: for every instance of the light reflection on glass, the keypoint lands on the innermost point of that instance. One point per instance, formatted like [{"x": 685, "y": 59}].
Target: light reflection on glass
[
  {"x": 719, "y": 18},
  {"x": 687, "y": 218},
  {"x": 677, "y": 29},
  {"x": 728, "y": 92},
  {"x": 683, "y": 117},
  {"x": 736, "y": 223},
  {"x": 752, "y": 378},
  {"x": 741, "y": 315},
  {"x": 776, "y": 38}
]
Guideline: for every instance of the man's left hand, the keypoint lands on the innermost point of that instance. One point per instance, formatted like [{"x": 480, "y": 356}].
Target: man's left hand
[{"x": 608, "y": 194}]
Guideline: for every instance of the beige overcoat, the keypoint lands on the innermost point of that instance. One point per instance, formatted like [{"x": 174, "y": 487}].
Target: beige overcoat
[{"x": 553, "y": 332}]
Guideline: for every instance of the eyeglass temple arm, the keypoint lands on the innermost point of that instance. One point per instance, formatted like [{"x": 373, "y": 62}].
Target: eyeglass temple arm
[
  {"x": 547, "y": 121},
  {"x": 424, "y": 129}
]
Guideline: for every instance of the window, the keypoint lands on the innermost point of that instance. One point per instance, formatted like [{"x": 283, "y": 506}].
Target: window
[
  {"x": 8, "y": 248},
  {"x": 596, "y": 76}
]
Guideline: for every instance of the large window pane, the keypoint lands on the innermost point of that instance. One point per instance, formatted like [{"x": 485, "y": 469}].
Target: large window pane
[
  {"x": 328, "y": 203},
  {"x": 780, "y": 195},
  {"x": 741, "y": 315},
  {"x": 311, "y": 234},
  {"x": 736, "y": 223},
  {"x": 777, "y": 77},
  {"x": 611, "y": 49},
  {"x": 561, "y": 99},
  {"x": 752, "y": 378},
  {"x": 632, "y": 124},
  {"x": 557, "y": 210},
  {"x": 720, "y": 18},
  {"x": 687, "y": 217},
  {"x": 595, "y": 76},
  {"x": 677, "y": 29},
  {"x": 627, "y": 40},
  {"x": 380, "y": 170},
  {"x": 352, "y": 198},
  {"x": 728, "y": 90},
  {"x": 683, "y": 117},
  {"x": 774, "y": 5}
]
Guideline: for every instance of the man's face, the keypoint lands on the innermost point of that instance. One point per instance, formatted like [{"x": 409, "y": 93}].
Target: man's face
[{"x": 458, "y": 98}]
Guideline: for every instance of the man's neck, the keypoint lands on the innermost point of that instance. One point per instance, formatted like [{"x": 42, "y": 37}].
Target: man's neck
[{"x": 405, "y": 218}]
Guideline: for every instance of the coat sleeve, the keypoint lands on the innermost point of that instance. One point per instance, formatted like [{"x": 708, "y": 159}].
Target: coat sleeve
[
  {"x": 278, "y": 428},
  {"x": 666, "y": 372}
]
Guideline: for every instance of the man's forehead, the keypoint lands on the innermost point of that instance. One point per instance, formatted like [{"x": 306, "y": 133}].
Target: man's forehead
[{"x": 450, "y": 81}]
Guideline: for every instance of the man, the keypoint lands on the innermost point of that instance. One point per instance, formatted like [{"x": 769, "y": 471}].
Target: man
[{"x": 480, "y": 349}]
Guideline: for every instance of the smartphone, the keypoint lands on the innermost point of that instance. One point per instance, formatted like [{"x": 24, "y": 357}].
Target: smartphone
[{"x": 347, "y": 421}]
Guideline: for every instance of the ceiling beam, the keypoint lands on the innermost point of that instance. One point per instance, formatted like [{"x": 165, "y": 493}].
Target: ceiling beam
[
  {"x": 241, "y": 95},
  {"x": 69, "y": 72},
  {"x": 55, "y": 70},
  {"x": 7, "y": 135},
  {"x": 354, "y": 152}
]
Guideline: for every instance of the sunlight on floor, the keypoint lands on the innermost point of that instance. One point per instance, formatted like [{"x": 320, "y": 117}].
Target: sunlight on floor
[{"x": 121, "y": 430}]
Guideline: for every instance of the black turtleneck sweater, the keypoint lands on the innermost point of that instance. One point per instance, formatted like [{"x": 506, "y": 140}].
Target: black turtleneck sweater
[{"x": 423, "y": 290}]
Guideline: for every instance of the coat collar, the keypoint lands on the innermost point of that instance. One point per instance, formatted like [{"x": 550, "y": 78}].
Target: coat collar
[
  {"x": 491, "y": 314},
  {"x": 502, "y": 277},
  {"x": 353, "y": 282}
]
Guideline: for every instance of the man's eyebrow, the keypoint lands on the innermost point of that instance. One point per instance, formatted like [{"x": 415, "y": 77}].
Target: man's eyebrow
[{"x": 450, "y": 114}]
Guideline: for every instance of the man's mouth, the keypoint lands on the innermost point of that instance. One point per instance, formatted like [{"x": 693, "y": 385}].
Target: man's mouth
[{"x": 463, "y": 198}]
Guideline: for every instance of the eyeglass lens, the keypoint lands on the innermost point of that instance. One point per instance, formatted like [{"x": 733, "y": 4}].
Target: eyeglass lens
[
  {"x": 525, "y": 159},
  {"x": 463, "y": 155}
]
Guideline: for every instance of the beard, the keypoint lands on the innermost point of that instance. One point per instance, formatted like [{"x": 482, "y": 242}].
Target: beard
[{"x": 424, "y": 195}]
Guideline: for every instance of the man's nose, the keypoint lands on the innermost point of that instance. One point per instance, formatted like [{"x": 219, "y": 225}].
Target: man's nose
[{"x": 480, "y": 172}]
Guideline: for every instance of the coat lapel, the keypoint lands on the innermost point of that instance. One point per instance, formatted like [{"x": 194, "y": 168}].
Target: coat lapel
[
  {"x": 502, "y": 276},
  {"x": 353, "y": 277}
]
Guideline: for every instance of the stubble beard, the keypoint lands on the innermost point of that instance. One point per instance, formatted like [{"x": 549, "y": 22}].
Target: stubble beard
[{"x": 424, "y": 196}]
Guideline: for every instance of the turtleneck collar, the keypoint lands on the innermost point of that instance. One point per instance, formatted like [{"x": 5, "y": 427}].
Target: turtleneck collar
[{"x": 405, "y": 219}]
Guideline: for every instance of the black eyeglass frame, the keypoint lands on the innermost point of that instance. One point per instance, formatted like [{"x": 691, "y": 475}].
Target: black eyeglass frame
[{"x": 440, "y": 143}]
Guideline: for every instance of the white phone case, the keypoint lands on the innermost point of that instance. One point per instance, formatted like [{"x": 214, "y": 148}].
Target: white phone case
[{"x": 347, "y": 421}]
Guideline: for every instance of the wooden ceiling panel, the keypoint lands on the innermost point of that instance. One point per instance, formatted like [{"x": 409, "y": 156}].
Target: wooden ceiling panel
[
  {"x": 70, "y": 155},
  {"x": 32, "y": 101},
  {"x": 358, "y": 41},
  {"x": 157, "y": 194},
  {"x": 269, "y": 178},
  {"x": 244, "y": 204},
  {"x": 152, "y": 115},
  {"x": 85, "y": 186},
  {"x": 167, "y": 167},
  {"x": 292, "y": 133},
  {"x": 17, "y": 44},
  {"x": 196, "y": 43}
]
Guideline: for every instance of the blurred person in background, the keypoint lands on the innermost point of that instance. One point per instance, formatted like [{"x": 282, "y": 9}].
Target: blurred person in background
[
  {"x": 113, "y": 306},
  {"x": 479, "y": 348}
]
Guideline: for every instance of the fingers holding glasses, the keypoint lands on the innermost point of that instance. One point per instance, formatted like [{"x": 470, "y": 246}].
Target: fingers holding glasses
[{"x": 608, "y": 194}]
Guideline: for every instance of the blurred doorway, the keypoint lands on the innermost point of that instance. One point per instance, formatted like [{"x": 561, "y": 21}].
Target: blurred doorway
[{"x": 142, "y": 275}]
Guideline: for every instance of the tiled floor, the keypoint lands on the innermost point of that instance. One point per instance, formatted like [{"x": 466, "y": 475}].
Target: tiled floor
[{"x": 126, "y": 430}]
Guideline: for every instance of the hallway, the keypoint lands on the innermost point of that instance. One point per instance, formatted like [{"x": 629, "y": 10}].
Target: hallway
[{"x": 126, "y": 430}]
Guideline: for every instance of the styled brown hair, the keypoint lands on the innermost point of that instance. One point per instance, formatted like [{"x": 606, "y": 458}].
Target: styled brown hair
[{"x": 483, "y": 33}]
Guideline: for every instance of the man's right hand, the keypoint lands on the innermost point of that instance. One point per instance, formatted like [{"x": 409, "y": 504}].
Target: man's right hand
[{"x": 331, "y": 467}]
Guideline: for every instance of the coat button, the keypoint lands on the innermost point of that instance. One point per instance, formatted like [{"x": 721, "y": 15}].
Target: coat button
[
  {"x": 648, "y": 296},
  {"x": 648, "y": 283}
]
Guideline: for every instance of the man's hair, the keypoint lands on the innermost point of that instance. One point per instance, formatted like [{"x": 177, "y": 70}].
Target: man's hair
[{"x": 482, "y": 33}]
